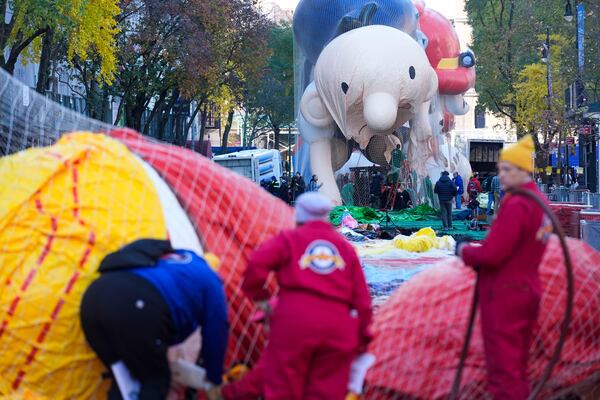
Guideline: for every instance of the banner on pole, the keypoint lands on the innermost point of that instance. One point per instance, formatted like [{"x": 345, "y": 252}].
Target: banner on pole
[{"x": 580, "y": 31}]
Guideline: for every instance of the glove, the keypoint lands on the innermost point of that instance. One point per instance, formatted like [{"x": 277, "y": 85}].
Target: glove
[
  {"x": 214, "y": 393},
  {"x": 190, "y": 375},
  {"x": 358, "y": 372},
  {"x": 460, "y": 243}
]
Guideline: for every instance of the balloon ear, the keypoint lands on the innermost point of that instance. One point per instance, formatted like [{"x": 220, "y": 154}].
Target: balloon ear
[{"x": 312, "y": 108}]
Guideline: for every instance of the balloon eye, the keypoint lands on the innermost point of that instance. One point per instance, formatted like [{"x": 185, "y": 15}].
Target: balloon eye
[
  {"x": 345, "y": 87},
  {"x": 412, "y": 72}
]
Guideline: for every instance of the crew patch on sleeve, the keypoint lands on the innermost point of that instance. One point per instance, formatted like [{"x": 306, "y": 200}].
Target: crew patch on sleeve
[
  {"x": 545, "y": 230},
  {"x": 322, "y": 257}
]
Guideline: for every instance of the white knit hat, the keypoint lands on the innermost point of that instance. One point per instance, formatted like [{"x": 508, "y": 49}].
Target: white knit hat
[{"x": 312, "y": 206}]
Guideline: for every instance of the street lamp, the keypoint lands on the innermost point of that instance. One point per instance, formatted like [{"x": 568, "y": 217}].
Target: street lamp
[
  {"x": 545, "y": 53},
  {"x": 568, "y": 12},
  {"x": 546, "y": 60}
]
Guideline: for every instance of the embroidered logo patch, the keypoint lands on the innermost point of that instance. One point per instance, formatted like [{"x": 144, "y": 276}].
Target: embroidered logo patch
[
  {"x": 322, "y": 257},
  {"x": 545, "y": 230}
]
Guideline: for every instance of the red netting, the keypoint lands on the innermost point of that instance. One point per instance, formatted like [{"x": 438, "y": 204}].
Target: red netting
[
  {"x": 421, "y": 328},
  {"x": 568, "y": 216},
  {"x": 232, "y": 217}
]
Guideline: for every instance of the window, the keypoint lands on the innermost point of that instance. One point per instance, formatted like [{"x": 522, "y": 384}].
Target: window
[{"x": 479, "y": 118}]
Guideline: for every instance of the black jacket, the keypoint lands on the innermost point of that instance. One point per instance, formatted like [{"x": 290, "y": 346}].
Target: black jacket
[{"x": 445, "y": 188}]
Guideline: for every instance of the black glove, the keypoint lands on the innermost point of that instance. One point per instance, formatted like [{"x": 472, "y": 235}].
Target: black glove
[{"x": 459, "y": 242}]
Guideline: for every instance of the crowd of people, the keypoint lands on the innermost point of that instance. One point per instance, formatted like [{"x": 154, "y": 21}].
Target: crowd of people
[
  {"x": 451, "y": 191},
  {"x": 289, "y": 189},
  {"x": 376, "y": 192}
]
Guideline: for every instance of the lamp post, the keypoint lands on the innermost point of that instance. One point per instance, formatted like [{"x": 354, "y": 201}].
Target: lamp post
[
  {"x": 546, "y": 59},
  {"x": 568, "y": 12}
]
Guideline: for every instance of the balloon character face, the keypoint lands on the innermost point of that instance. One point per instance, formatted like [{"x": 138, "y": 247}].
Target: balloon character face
[
  {"x": 366, "y": 74},
  {"x": 369, "y": 81}
]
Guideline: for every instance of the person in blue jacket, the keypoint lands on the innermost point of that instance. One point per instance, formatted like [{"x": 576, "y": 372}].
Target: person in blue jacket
[
  {"x": 150, "y": 297},
  {"x": 460, "y": 186}
]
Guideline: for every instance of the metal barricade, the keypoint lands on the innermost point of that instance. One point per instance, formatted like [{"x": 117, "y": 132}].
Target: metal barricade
[
  {"x": 592, "y": 199},
  {"x": 566, "y": 195},
  {"x": 590, "y": 233}
]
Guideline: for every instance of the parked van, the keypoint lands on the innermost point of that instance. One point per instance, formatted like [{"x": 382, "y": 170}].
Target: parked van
[{"x": 255, "y": 165}]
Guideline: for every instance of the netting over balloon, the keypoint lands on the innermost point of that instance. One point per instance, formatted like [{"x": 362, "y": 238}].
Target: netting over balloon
[
  {"x": 64, "y": 207},
  {"x": 421, "y": 328},
  {"x": 66, "y": 200},
  {"x": 30, "y": 120}
]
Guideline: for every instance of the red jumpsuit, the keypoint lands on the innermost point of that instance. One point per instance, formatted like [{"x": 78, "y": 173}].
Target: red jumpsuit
[
  {"x": 509, "y": 291},
  {"x": 322, "y": 320},
  {"x": 474, "y": 182}
]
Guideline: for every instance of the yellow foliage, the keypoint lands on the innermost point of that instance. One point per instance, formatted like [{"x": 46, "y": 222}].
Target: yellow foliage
[
  {"x": 532, "y": 91},
  {"x": 84, "y": 25},
  {"x": 96, "y": 28},
  {"x": 532, "y": 88}
]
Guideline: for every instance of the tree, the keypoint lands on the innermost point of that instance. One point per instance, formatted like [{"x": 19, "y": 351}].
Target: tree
[
  {"x": 239, "y": 49},
  {"x": 271, "y": 97},
  {"x": 176, "y": 53},
  {"x": 35, "y": 27},
  {"x": 505, "y": 39},
  {"x": 535, "y": 113}
]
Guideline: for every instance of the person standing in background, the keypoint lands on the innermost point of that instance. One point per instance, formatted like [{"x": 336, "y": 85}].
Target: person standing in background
[
  {"x": 460, "y": 189},
  {"x": 495, "y": 192},
  {"x": 347, "y": 191},
  {"x": 474, "y": 184},
  {"x": 314, "y": 185},
  {"x": 375, "y": 189},
  {"x": 298, "y": 185},
  {"x": 446, "y": 190}
]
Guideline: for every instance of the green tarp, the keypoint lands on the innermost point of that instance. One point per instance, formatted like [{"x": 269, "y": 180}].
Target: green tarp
[
  {"x": 422, "y": 216},
  {"x": 366, "y": 215}
]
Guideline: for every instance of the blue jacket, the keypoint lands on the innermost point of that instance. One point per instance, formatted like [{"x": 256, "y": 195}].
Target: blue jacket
[
  {"x": 314, "y": 186},
  {"x": 445, "y": 188},
  {"x": 460, "y": 186},
  {"x": 195, "y": 296}
]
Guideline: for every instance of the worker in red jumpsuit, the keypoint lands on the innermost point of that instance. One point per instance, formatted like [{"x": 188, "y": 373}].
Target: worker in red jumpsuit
[
  {"x": 509, "y": 283},
  {"x": 321, "y": 322},
  {"x": 249, "y": 385}
]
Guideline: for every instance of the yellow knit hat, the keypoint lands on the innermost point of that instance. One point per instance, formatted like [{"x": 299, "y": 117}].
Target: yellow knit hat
[{"x": 520, "y": 154}]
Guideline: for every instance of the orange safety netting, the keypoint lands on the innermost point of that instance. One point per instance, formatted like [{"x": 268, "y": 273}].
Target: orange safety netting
[
  {"x": 421, "y": 328},
  {"x": 232, "y": 216}
]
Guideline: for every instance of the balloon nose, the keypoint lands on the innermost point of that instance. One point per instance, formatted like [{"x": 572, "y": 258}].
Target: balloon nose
[{"x": 380, "y": 111}]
